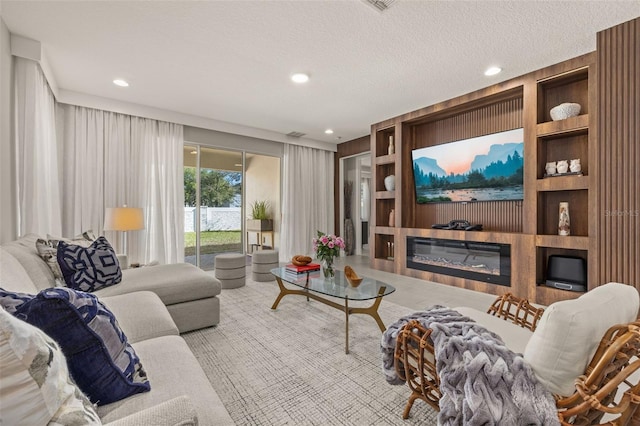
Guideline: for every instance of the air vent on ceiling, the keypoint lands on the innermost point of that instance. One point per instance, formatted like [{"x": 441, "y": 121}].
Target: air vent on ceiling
[
  {"x": 380, "y": 5},
  {"x": 296, "y": 134}
]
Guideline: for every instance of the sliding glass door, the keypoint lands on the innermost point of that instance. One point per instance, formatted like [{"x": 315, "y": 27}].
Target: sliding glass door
[{"x": 213, "y": 204}]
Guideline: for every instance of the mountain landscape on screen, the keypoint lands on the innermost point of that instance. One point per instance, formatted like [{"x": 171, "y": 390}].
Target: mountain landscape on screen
[{"x": 486, "y": 168}]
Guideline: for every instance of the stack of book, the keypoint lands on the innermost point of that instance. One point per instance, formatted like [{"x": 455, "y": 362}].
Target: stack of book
[{"x": 302, "y": 269}]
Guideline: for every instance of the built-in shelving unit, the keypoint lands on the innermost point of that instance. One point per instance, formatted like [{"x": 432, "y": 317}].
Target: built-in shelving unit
[
  {"x": 530, "y": 226},
  {"x": 567, "y": 139}
]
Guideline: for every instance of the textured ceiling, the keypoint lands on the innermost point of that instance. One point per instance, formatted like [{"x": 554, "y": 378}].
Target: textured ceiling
[{"x": 231, "y": 60}]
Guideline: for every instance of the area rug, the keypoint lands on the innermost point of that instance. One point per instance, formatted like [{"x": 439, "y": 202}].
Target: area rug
[{"x": 288, "y": 366}]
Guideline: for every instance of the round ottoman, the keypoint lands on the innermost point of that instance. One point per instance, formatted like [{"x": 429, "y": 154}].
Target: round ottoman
[
  {"x": 262, "y": 262},
  {"x": 230, "y": 269}
]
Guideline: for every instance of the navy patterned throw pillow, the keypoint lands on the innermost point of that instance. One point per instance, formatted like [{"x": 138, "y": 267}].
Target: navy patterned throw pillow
[
  {"x": 89, "y": 268},
  {"x": 101, "y": 361},
  {"x": 11, "y": 301}
]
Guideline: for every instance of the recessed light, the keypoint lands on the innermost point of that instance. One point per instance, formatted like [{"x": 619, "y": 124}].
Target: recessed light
[
  {"x": 194, "y": 152},
  {"x": 238, "y": 165},
  {"x": 492, "y": 71},
  {"x": 120, "y": 82},
  {"x": 300, "y": 77},
  {"x": 329, "y": 131}
]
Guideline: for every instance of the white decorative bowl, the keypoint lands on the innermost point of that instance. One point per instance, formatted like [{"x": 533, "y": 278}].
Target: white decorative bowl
[{"x": 565, "y": 110}]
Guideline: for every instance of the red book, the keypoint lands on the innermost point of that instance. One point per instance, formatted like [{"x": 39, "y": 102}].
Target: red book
[{"x": 301, "y": 269}]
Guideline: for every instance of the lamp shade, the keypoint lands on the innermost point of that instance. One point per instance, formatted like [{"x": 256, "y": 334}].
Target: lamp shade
[{"x": 123, "y": 219}]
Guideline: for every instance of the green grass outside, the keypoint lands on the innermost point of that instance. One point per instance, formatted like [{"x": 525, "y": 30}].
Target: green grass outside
[{"x": 212, "y": 242}]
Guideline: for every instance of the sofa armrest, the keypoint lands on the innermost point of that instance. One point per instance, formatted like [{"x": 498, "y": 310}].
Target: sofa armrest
[{"x": 174, "y": 412}]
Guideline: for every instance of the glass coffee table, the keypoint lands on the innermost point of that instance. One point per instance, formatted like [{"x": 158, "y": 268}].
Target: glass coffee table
[{"x": 314, "y": 286}]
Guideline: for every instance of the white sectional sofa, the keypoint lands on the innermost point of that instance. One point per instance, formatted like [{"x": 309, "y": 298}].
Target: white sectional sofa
[{"x": 152, "y": 306}]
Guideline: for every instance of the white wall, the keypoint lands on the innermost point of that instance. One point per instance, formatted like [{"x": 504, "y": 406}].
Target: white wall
[
  {"x": 8, "y": 219},
  {"x": 262, "y": 182}
]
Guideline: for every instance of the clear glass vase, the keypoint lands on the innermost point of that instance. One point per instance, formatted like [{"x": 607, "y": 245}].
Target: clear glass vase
[{"x": 328, "y": 270}]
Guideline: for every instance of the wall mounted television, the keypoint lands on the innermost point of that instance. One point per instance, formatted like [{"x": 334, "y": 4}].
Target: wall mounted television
[{"x": 485, "y": 168}]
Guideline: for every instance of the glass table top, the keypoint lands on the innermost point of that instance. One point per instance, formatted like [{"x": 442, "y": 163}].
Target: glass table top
[{"x": 337, "y": 286}]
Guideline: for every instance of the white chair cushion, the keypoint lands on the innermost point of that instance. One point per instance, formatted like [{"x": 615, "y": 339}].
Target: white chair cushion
[{"x": 569, "y": 332}]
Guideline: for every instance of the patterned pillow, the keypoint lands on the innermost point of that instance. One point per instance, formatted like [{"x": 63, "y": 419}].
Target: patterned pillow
[
  {"x": 36, "y": 388},
  {"x": 89, "y": 268},
  {"x": 11, "y": 301},
  {"x": 47, "y": 249},
  {"x": 101, "y": 361}
]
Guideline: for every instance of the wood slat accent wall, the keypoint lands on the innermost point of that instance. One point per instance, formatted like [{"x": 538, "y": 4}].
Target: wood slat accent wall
[
  {"x": 618, "y": 153},
  {"x": 496, "y": 116}
]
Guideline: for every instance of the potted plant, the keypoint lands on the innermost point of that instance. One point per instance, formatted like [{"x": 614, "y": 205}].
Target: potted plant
[{"x": 260, "y": 217}]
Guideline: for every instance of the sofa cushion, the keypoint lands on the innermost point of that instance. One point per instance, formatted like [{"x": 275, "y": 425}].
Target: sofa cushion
[
  {"x": 174, "y": 371},
  {"x": 89, "y": 268},
  {"x": 24, "y": 251},
  {"x": 513, "y": 336},
  {"x": 36, "y": 388},
  {"x": 174, "y": 283},
  {"x": 101, "y": 361},
  {"x": 569, "y": 333},
  {"x": 141, "y": 315},
  {"x": 13, "y": 276}
]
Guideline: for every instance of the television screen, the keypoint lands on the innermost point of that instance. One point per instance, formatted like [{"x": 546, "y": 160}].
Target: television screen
[{"x": 486, "y": 168}]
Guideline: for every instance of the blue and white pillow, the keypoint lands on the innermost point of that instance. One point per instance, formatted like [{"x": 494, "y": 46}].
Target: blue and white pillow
[
  {"x": 101, "y": 361},
  {"x": 11, "y": 301},
  {"x": 89, "y": 268}
]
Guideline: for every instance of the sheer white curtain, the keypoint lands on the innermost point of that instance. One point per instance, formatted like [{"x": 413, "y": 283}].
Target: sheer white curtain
[
  {"x": 36, "y": 151},
  {"x": 307, "y": 205},
  {"x": 112, "y": 159}
]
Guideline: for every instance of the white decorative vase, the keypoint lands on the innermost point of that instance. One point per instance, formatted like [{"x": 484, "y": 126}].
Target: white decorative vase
[
  {"x": 564, "y": 222},
  {"x": 563, "y": 166},
  {"x": 564, "y": 111},
  {"x": 390, "y": 183}
]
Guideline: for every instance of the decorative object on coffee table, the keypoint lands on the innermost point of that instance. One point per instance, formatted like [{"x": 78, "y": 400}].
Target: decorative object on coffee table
[
  {"x": 564, "y": 111},
  {"x": 564, "y": 222},
  {"x": 390, "y": 183},
  {"x": 301, "y": 260},
  {"x": 327, "y": 247},
  {"x": 353, "y": 278}
]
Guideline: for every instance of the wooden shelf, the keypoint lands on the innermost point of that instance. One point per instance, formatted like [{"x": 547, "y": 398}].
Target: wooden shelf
[
  {"x": 548, "y": 295},
  {"x": 386, "y": 159},
  {"x": 384, "y": 230},
  {"x": 562, "y": 127},
  {"x": 383, "y": 195},
  {"x": 563, "y": 183},
  {"x": 568, "y": 242}
]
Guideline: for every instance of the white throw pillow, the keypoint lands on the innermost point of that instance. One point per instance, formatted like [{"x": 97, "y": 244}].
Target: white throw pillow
[
  {"x": 569, "y": 333},
  {"x": 36, "y": 388},
  {"x": 13, "y": 276}
]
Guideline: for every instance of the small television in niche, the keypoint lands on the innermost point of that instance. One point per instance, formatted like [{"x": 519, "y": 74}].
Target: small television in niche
[{"x": 485, "y": 168}]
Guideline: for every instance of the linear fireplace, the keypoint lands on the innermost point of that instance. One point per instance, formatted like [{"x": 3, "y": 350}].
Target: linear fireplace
[{"x": 486, "y": 262}]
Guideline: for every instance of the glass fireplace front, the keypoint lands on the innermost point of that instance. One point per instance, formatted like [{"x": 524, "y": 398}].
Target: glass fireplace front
[{"x": 486, "y": 262}]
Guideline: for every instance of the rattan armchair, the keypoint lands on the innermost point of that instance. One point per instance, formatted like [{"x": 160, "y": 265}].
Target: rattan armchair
[{"x": 608, "y": 385}]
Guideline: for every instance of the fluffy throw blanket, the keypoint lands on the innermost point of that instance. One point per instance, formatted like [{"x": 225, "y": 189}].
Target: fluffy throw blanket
[{"x": 481, "y": 380}]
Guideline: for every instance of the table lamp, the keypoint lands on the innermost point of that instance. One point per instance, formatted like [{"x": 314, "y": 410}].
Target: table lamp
[{"x": 123, "y": 219}]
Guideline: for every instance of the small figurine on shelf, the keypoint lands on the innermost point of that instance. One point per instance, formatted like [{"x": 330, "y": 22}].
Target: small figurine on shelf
[
  {"x": 575, "y": 165},
  {"x": 562, "y": 166},
  {"x": 564, "y": 222},
  {"x": 550, "y": 168},
  {"x": 392, "y": 218},
  {"x": 392, "y": 149}
]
